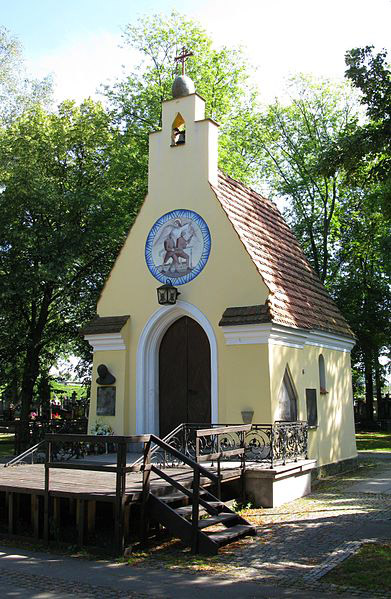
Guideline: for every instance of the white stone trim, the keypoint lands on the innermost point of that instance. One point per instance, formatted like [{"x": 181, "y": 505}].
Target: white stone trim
[
  {"x": 273, "y": 334},
  {"x": 330, "y": 341},
  {"x": 147, "y": 363},
  {"x": 106, "y": 341}
]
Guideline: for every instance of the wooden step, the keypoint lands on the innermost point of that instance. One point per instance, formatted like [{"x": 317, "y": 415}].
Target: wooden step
[
  {"x": 223, "y": 518},
  {"x": 178, "y": 496},
  {"x": 186, "y": 510},
  {"x": 229, "y": 535}
]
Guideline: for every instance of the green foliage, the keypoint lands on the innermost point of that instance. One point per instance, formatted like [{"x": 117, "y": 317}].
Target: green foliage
[
  {"x": 71, "y": 189},
  {"x": 221, "y": 77},
  {"x": 6, "y": 444},
  {"x": 17, "y": 90},
  {"x": 286, "y": 142},
  {"x": 61, "y": 389},
  {"x": 374, "y": 441},
  {"x": 365, "y": 152}
]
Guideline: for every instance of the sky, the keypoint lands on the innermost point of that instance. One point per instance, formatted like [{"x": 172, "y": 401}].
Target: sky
[{"x": 77, "y": 41}]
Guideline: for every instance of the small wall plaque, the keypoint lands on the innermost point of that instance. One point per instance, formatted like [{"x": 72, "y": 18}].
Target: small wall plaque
[
  {"x": 312, "y": 410},
  {"x": 105, "y": 404}
]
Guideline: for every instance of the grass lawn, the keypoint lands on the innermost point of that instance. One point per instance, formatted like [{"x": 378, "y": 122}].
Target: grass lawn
[
  {"x": 6, "y": 444},
  {"x": 369, "y": 569},
  {"x": 376, "y": 441}
]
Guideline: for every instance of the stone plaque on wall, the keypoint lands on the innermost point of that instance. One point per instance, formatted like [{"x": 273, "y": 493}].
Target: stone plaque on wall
[{"x": 105, "y": 404}]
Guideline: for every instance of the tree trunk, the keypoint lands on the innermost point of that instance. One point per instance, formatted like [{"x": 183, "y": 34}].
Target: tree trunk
[
  {"x": 44, "y": 396},
  {"x": 30, "y": 375},
  {"x": 378, "y": 382},
  {"x": 31, "y": 365},
  {"x": 368, "y": 384}
]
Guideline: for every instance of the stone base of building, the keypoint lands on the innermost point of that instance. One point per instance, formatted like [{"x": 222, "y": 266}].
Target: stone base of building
[
  {"x": 334, "y": 468},
  {"x": 271, "y": 487}
]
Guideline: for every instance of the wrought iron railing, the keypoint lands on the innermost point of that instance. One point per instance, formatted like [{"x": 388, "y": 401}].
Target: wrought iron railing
[{"x": 272, "y": 444}]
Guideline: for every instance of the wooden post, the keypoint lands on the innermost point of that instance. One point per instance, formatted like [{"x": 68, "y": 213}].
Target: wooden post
[
  {"x": 72, "y": 506},
  {"x": 218, "y": 467},
  {"x": 46, "y": 514},
  {"x": 80, "y": 519},
  {"x": 91, "y": 511},
  {"x": 195, "y": 509},
  {"x": 243, "y": 476},
  {"x": 120, "y": 496},
  {"x": 56, "y": 512},
  {"x": 35, "y": 514},
  {"x": 126, "y": 522},
  {"x": 11, "y": 518},
  {"x": 146, "y": 489}
]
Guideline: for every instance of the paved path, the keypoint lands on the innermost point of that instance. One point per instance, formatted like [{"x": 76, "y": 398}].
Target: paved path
[
  {"x": 295, "y": 543},
  {"x": 29, "y": 575},
  {"x": 378, "y": 483}
]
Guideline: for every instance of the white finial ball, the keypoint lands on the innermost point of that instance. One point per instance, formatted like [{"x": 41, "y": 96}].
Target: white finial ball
[{"x": 182, "y": 86}]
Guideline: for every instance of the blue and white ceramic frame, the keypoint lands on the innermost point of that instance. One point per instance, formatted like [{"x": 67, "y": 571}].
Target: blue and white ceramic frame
[{"x": 180, "y": 213}]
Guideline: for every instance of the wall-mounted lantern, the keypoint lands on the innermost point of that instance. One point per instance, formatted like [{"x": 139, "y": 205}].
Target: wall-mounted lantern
[{"x": 167, "y": 294}]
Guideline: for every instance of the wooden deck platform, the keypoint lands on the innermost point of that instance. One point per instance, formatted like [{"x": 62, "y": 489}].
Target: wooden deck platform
[
  {"x": 86, "y": 495},
  {"x": 90, "y": 485}
]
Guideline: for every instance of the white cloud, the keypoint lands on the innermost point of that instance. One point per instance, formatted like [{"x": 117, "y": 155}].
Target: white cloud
[
  {"x": 285, "y": 37},
  {"x": 282, "y": 37},
  {"x": 79, "y": 67}
]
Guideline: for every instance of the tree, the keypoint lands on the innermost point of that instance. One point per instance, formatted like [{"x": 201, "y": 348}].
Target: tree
[
  {"x": 365, "y": 152},
  {"x": 363, "y": 157},
  {"x": 362, "y": 286},
  {"x": 286, "y": 143},
  {"x": 221, "y": 77},
  {"x": 17, "y": 90},
  {"x": 70, "y": 191}
]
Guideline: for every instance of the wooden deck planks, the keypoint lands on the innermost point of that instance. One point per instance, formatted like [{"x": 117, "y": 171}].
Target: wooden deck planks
[{"x": 84, "y": 484}]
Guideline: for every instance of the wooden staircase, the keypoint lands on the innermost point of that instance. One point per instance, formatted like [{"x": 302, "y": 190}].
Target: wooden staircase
[{"x": 191, "y": 522}]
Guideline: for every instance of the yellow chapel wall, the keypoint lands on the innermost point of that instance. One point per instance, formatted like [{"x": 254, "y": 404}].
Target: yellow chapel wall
[
  {"x": 179, "y": 179},
  {"x": 333, "y": 439},
  {"x": 117, "y": 362}
]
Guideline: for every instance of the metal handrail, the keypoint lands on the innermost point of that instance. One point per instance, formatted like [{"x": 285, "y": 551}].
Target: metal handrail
[
  {"x": 166, "y": 439},
  {"x": 23, "y": 455},
  {"x": 184, "y": 458}
]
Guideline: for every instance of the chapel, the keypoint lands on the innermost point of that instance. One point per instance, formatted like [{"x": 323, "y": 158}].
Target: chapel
[{"x": 211, "y": 313}]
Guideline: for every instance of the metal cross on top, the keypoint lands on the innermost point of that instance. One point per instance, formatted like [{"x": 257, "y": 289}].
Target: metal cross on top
[{"x": 182, "y": 58}]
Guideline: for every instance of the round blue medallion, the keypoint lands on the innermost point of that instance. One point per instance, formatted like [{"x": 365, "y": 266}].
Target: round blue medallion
[{"x": 178, "y": 247}]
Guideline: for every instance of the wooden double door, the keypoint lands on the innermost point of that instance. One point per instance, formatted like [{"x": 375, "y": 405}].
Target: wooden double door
[{"x": 184, "y": 375}]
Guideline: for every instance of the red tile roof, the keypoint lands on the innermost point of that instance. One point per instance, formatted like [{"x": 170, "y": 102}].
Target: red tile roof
[{"x": 297, "y": 297}]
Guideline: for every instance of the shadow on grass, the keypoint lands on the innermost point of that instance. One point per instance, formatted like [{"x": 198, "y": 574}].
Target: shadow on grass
[{"x": 369, "y": 569}]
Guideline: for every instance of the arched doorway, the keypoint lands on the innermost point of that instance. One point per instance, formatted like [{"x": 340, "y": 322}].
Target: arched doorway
[{"x": 184, "y": 375}]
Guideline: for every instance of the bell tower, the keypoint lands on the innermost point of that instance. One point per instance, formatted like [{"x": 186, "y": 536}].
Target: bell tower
[{"x": 185, "y": 149}]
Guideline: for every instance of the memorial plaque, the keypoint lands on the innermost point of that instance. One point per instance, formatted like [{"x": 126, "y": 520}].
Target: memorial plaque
[
  {"x": 312, "y": 410},
  {"x": 105, "y": 405}
]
